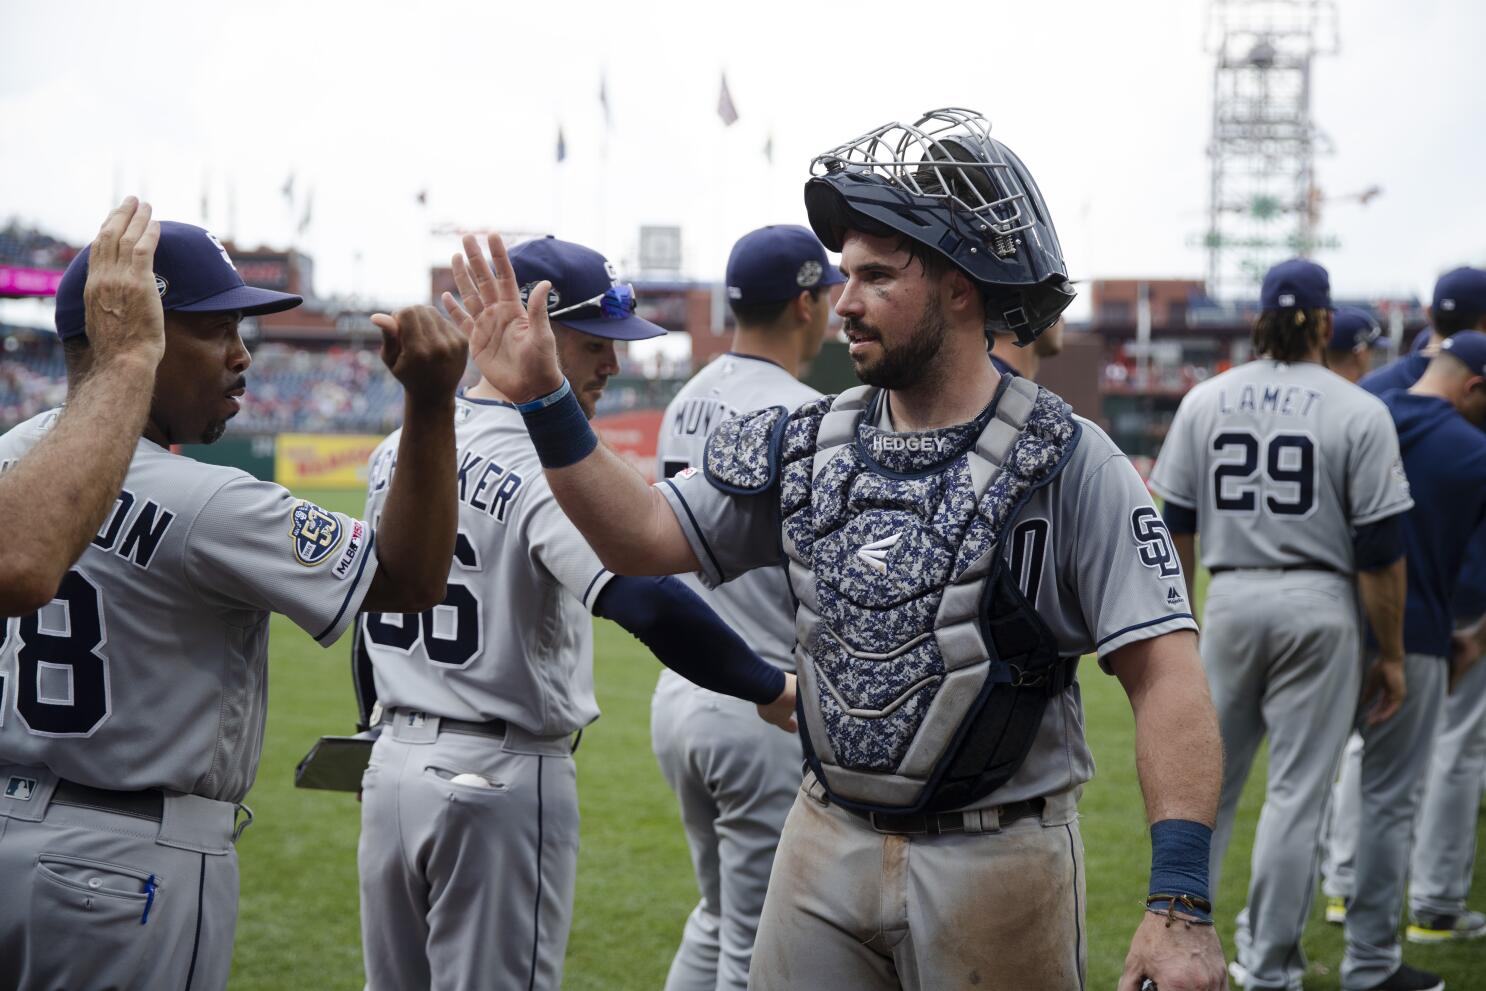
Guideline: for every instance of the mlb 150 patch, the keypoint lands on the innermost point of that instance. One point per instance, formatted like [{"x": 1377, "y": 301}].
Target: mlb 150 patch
[{"x": 316, "y": 533}]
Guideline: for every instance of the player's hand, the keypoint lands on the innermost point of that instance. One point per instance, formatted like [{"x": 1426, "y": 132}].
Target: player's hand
[
  {"x": 511, "y": 342},
  {"x": 424, "y": 351},
  {"x": 1383, "y": 690},
  {"x": 1465, "y": 651},
  {"x": 781, "y": 711},
  {"x": 1179, "y": 957},
  {"x": 122, "y": 307}
]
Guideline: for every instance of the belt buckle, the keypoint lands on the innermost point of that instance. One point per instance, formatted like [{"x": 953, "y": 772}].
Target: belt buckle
[{"x": 877, "y": 820}]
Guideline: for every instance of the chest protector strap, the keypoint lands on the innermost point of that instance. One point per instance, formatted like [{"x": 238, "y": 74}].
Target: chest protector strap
[{"x": 924, "y": 670}]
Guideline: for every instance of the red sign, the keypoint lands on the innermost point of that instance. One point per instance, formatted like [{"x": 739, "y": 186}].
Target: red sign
[
  {"x": 633, "y": 435},
  {"x": 28, "y": 281}
]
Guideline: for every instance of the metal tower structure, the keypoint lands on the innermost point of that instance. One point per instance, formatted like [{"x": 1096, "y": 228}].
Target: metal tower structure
[{"x": 1263, "y": 204}]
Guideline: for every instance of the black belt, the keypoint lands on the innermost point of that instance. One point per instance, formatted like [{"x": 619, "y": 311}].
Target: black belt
[
  {"x": 494, "y": 727},
  {"x": 1283, "y": 567},
  {"x": 948, "y": 822},
  {"x": 146, "y": 804}
]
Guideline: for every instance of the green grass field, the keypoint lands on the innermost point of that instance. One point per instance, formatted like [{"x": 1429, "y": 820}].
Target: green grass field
[{"x": 298, "y": 923}]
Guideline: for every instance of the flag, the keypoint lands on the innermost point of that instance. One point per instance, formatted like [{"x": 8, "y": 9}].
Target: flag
[
  {"x": 562, "y": 145},
  {"x": 604, "y": 96},
  {"x": 725, "y": 108},
  {"x": 304, "y": 220},
  {"x": 288, "y": 189},
  {"x": 422, "y": 196},
  {"x": 769, "y": 148}
]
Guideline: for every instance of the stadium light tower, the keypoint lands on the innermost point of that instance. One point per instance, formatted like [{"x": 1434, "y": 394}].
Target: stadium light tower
[{"x": 1263, "y": 203}]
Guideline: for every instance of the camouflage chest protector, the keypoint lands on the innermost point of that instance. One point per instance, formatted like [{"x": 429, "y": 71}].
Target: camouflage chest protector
[{"x": 924, "y": 671}]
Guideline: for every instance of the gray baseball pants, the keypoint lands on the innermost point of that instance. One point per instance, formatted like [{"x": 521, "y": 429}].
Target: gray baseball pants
[
  {"x": 466, "y": 887},
  {"x": 1282, "y": 656},
  {"x": 848, "y": 907},
  {"x": 735, "y": 777},
  {"x": 1389, "y": 778},
  {"x": 1445, "y": 841},
  {"x": 77, "y": 912}
]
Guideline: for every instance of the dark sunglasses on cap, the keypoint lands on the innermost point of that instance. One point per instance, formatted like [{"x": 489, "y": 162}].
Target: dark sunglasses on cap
[{"x": 614, "y": 303}]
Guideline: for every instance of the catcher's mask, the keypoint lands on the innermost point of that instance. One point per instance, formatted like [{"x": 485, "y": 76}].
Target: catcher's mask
[{"x": 946, "y": 183}]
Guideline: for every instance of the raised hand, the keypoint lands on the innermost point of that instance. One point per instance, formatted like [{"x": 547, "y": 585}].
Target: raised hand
[
  {"x": 123, "y": 313},
  {"x": 424, "y": 351},
  {"x": 510, "y": 342},
  {"x": 781, "y": 711}
]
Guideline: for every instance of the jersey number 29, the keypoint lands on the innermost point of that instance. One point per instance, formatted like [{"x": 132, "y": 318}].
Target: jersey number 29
[{"x": 1280, "y": 470}]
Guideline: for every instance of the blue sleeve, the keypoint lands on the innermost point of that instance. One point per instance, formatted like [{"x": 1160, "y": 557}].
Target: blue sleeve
[
  {"x": 686, "y": 636},
  {"x": 1379, "y": 544},
  {"x": 1179, "y": 519}
]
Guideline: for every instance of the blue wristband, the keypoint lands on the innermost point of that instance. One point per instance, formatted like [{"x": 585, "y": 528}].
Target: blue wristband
[
  {"x": 558, "y": 428},
  {"x": 1180, "y": 850}
]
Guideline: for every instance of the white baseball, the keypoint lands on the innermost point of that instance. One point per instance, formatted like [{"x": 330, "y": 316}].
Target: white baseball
[{"x": 472, "y": 780}]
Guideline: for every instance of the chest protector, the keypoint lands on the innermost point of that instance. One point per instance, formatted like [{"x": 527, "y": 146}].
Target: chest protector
[{"x": 924, "y": 670}]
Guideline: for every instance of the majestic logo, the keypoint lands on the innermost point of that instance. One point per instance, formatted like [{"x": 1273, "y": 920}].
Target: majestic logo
[
  {"x": 553, "y": 297},
  {"x": 20, "y": 789},
  {"x": 1173, "y": 596},
  {"x": 316, "y": 533},
  {"x": 875, "y": 553},
  {"x": 1287, "y": 299},
  {"x": 161, "y": 286},
  {"x": 809, "y": 274},
  {"x": 1154, "y": 542}
]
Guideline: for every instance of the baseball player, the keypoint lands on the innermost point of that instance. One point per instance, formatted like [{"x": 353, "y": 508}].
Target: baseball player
[
  {"x": 1291, "y": 476},
  {"x": 735, "y": 778},
  {"x": 1354, "y": 333},
  {"x": 955, "y": 539},
  {"x": 469, "y": 825},
  {"x": 1444, "y": 848},
  {"x": 1008, "y": 356},
  {"x": 1444, "y": 454},
  {"x": 132, "y": 704},
  {"x": 54, "y": 499}
]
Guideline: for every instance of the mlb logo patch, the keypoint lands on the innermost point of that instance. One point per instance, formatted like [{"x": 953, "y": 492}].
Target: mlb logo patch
[
  {"x": 342, "y": 569},
  {"x": 20, "y": 789},
  {"x": 316, "y": 533}
]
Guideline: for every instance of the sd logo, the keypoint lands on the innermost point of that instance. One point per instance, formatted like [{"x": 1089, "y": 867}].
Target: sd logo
[{"x": 316, "y": 533}]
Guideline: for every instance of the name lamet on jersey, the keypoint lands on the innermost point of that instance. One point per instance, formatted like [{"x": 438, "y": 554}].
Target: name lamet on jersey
[{"x": 1287, "y": 400}]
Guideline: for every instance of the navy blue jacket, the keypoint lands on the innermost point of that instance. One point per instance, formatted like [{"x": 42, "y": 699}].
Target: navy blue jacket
[
  {"x": 1444, "y": 456},
  {"x": 1470, "y": 590}
]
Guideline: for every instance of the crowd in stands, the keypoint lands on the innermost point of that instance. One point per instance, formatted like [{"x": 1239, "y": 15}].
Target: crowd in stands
[{"x": 29, "y": 248}]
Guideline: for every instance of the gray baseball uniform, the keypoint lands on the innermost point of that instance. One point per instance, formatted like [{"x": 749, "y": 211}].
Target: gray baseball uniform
[
  {"x": 851, "y": 907},
  {"x": 469, "y": 834},
  {"x": 1280, "y": 462},
  {"x": 131, "y": 719},
  {"x": 734, "y": 776}
]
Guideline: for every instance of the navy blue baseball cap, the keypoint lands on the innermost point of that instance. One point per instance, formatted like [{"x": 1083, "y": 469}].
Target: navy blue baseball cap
[
  {"x": 1468, "y": 346},
  {"x": 1298, "y": 283},
  {"x": 777, "y": 263},
  {"x": 1463, "y": 291},
  {"x": 1353, "y": 327},
  {"x": 586, "y": 293},
  {"x": 192, "y": 274}
]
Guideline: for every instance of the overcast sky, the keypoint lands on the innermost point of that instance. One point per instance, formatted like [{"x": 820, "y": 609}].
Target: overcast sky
[{"x": 366, "y": 104}]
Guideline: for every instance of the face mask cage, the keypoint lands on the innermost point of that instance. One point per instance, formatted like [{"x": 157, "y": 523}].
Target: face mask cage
[{"x": 946, "y": 155}]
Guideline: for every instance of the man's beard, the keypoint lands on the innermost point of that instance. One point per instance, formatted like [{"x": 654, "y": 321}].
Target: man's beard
[
  {"x": 904, "y": 366},
  {"x": 214, "y": 431}
]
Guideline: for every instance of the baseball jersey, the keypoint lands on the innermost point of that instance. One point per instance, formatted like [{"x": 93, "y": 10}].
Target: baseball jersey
[
  {"x": 513, "y": 638},
  {"x": 1089, "y": 549},
  {"x": 1281, "y": 461},
  {"x": 758, "y": 605},
  {"x": 149, "y": 668}
]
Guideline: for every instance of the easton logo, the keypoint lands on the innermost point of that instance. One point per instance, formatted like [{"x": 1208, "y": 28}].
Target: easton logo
[
  {"x": 875, "y": 553},
  {"x": 316, "y": 533}
]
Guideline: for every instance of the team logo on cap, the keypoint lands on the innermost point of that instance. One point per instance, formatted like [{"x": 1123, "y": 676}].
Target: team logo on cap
[
  {"x": 611, "y": 271},
  {"x": 221, "y": 250},
  {"x": 553, "y": 297},
  {"x": 316, "y": 533},
  {"x": 808, "y": 275},
  {"x": 161, "y": 286}
]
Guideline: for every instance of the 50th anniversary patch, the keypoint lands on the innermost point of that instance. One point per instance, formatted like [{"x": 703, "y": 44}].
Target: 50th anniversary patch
[{"x": 316, "y": 533}]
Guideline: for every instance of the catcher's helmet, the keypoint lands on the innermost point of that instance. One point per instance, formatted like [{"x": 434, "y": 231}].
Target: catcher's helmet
[{"x": 946, "y": 183}]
